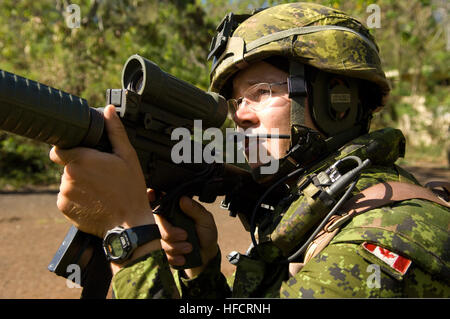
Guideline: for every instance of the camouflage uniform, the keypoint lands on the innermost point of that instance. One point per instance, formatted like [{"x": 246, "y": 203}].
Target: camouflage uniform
[{"x": 415, "y": 229}]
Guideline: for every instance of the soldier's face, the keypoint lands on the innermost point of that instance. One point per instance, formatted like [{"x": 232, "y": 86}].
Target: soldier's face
[{"x": 274, "y": 113}]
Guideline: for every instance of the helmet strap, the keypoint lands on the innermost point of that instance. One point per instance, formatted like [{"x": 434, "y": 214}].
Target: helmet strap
[{"x": 297, "y": 93}]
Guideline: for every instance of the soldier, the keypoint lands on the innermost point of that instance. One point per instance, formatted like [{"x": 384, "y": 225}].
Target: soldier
[{"x": 353, "y": 223}]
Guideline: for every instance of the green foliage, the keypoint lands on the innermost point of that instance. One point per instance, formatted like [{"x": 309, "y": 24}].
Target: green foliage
[
  {"x": 36, "y": 42},
  {"x": 24, "y": 163}
]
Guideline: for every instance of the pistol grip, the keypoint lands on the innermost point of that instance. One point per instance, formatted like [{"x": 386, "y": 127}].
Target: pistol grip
[{"x": 179, "y": 219}]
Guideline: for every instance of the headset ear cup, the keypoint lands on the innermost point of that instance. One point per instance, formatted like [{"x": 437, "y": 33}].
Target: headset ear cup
[{"x": 334, "y": 100}]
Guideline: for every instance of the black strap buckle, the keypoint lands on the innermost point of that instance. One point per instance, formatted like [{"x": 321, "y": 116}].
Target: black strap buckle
[{"x": 297, "y": 86}]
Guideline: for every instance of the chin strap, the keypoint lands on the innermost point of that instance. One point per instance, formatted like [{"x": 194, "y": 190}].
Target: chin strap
[{"x": 297, "y": 93}]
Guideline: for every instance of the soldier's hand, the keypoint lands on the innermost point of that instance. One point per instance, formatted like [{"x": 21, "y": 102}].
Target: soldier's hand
[
  {"x": 100, "y": 190},
  {"x": 174, "y": 238}
]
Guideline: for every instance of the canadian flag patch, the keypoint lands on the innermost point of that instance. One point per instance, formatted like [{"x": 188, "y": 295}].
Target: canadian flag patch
[{"x": 395, "y": 261}]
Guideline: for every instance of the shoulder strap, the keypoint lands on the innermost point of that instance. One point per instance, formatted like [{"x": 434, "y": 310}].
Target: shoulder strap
[
  {"x": 383, "y": 194},
  {"x": 388, "y": 192},
  {"x": 376, "y": 196},
  {"x": 443, "y": 193}
]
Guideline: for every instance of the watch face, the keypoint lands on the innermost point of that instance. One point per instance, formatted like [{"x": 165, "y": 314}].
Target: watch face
[
  {"x": 114, "y": 246},
  {"x": 117, "y": 246}
]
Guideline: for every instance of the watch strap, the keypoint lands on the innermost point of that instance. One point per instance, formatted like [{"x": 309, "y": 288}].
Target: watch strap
[{"x": 143, "y": 234}]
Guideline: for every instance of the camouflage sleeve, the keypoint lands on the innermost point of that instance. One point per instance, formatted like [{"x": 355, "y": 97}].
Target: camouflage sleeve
[
  {"x": 147, "y": 277},
  {"x": 209, "y": 284},
  {"x": 339, "y": 271}
]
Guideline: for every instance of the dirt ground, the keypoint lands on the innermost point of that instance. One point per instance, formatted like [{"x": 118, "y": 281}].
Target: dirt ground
[{"x": 31, "y": 230}]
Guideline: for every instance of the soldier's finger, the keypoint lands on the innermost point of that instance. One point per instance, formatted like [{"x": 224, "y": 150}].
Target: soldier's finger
[
  {"x": 151, "y": 195},
  {"x": 168, "y": 232},
  {"x": 177, "y": 260},
  {"x": 178, "y": 248},
  {"x": 117, "y": 134}
]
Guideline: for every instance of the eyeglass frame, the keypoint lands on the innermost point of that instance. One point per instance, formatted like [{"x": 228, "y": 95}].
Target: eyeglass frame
[{"x": 240, "y": 99}]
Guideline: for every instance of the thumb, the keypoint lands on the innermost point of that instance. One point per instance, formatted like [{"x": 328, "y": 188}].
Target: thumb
[{"x": 116, "y": 133}]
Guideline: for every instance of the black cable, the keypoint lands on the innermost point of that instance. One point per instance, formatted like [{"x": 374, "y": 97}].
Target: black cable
[
  {"x": 327, "y": 217},
  {"x": 322, "y": 224}
]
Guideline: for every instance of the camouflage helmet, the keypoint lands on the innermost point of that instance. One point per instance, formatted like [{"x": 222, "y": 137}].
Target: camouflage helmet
[{"x": 312, "y": 34}]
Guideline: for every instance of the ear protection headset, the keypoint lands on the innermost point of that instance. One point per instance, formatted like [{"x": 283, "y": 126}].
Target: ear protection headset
[{"x": 333, "y": 100}]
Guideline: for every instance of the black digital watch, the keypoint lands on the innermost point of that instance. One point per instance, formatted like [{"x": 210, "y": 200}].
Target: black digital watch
[{"x": 119, "y": 243}]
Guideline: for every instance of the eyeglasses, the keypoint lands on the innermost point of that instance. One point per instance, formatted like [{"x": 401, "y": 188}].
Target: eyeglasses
[{"x": 257, "y": 96}]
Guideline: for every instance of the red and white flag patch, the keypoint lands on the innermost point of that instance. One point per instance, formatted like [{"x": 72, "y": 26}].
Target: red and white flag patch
[{"x": 395, "y": 261}]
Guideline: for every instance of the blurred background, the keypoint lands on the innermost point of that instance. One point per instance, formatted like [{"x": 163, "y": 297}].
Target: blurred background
[
  {"x": 38, "y": 40},
  {"x": 44, "y": 41}
]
